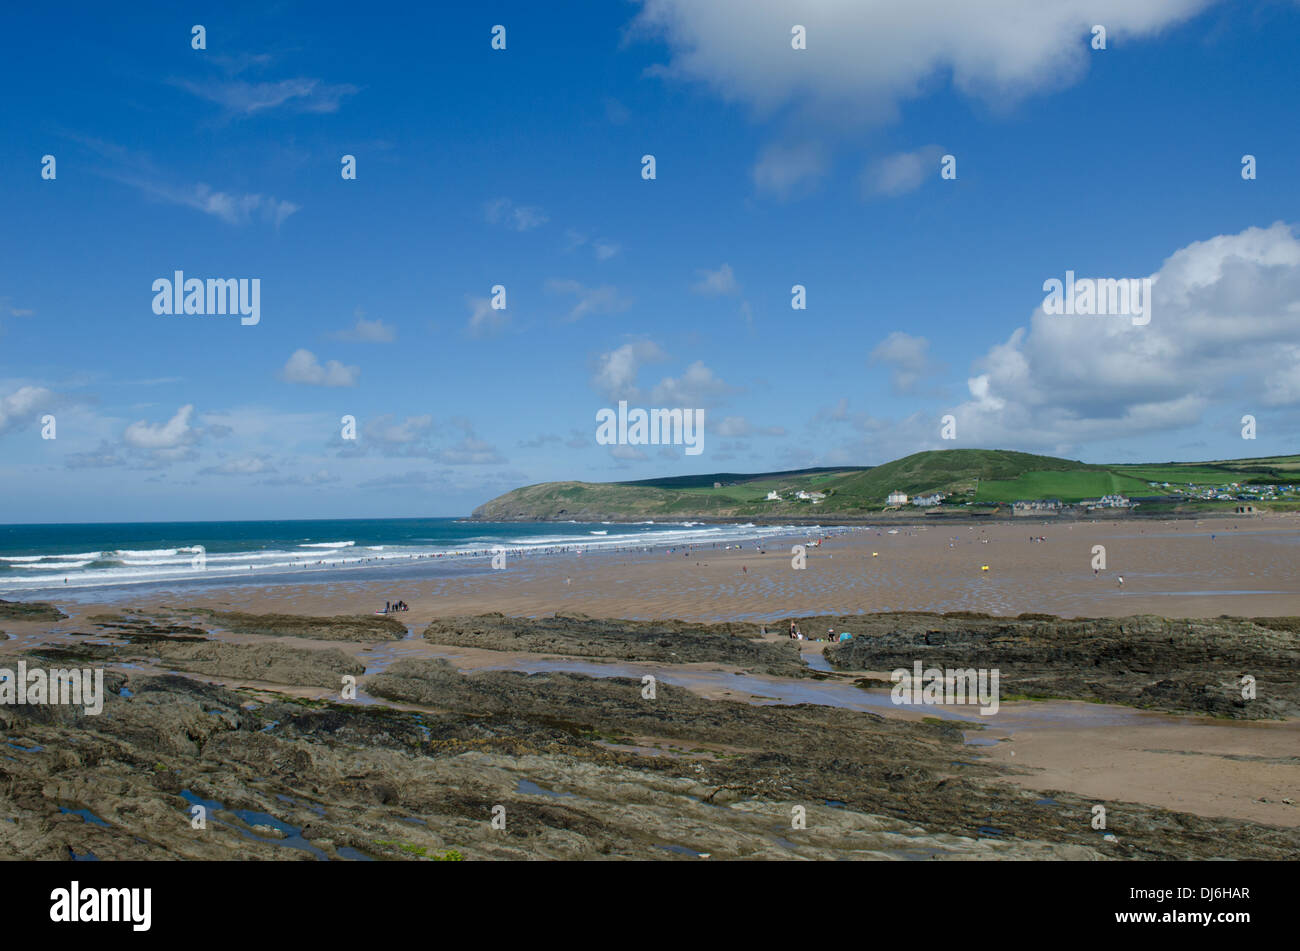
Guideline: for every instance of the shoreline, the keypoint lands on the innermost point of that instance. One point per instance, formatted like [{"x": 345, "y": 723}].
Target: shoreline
[{"x": 1223, "y": 771}]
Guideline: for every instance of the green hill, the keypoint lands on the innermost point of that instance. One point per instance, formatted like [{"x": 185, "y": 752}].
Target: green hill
[{"x": 983, "y": 477}]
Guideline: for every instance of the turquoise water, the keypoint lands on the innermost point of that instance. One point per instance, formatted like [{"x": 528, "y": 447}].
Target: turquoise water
[{"x": 37, "y": 558}]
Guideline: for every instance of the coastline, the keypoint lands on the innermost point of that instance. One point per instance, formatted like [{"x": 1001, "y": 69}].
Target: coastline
[{"x": 524, "y": 686}]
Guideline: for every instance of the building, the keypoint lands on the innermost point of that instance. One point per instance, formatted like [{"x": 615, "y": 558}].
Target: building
[
  {"x": 1036, "y": 507},
  {"x": 810, "y": 496},
  {"x": 1107, "y": 502},
  {"x": 927, "y": 501},
  {"x": 773, "y": 496},
  {"x": 896, "y": 498}
]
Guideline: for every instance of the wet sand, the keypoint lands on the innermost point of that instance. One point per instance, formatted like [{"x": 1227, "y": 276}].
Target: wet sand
[
  {"x": 1170, "y": 568},
  {"x": 1197, "y": 765}
]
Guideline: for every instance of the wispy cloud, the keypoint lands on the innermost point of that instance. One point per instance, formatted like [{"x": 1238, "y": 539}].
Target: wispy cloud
[
  {"x": 232, "y": 209},
  {"x": 591, "y": 301},
  {"x": 367, "y": 331},
  {"x": 716, "y": 283},
  {"x": 503, "y": 211},
  {"x": 301, "y": 94},
  {"x": 901, "y": 172},
  {"x": 484, "y": 320}
]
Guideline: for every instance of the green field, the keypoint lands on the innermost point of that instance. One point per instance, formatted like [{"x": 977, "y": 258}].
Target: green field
[
  {"x": 1066, "y": 486},
  {"x": 978, "y": 476}
]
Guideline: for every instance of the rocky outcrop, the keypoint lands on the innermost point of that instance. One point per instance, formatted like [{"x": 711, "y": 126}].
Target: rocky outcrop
[
  {"x": 667, "y": 642},
  {"x": 1186, "y": 666}
]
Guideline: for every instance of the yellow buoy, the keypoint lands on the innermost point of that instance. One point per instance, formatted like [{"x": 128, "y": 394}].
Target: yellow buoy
[
  {"x": 874, "y": 554},
  {"x": 984, "y": 567}
]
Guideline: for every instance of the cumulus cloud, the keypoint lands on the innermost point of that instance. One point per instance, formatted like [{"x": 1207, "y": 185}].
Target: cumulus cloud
[
  {"x": 863, "y": 59},
  {"x": 23, "y": 406},
  {"x": 616, "y": 371},
  {"x": 304, "y": 367},
  {"x": 1225, "y": 321},
  {"x": 696, "y": 387},
  {"x": 174, "y": 433}
]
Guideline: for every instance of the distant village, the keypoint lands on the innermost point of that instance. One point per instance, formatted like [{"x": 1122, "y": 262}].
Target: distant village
[
  {"x": 1188, "y": 492},
  {"x": 1246, "y": 495}
]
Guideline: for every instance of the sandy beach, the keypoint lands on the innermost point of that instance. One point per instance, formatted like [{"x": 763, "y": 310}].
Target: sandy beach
[
  {"x": 1222, "y": 770},
  {"x": 1178, "y": 568}
]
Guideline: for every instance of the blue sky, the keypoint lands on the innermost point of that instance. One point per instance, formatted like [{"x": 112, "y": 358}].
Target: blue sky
[{"x": 522, "y": 167}]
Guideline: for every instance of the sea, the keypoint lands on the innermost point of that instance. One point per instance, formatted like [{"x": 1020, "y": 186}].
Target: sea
[{"x": 37, "y": 559}]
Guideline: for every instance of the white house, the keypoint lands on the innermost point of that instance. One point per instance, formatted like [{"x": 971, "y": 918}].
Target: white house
[
  {"x": 773, "y": 496},
  {"x": 896, "y": 498}
]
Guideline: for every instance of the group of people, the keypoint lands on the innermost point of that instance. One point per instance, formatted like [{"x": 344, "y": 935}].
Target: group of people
[{"x": 396, "y": 606}]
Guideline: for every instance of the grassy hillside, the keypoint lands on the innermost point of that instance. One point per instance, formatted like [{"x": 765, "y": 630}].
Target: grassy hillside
[{"x": 979, "y": 476}]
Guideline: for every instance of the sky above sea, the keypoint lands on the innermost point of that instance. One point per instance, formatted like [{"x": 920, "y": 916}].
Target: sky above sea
[{"x": 522, "y": 168}]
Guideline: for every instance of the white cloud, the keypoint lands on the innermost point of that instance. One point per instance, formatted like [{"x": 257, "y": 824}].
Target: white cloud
[
  {"x": 304, "y": 367},
  {"x": 734, "y": 426},
  {"x": 470, "y": 451},
  {"x": 782, "y": 168},
  {"x": 172, "y": 434},
  {"x": 503, "y": 211},
  {"x": 909, "y": 357},
  {"x": 244, "y": 465},
  {"x": 233, "y": 209},
  {"x": 1224, "y": 324},
  {"x": 368, "y": 331},
  {"x": 902, "y": 172},
  {"x": 616, "y": 371},
  {"x": 696, "y": 387},
  {"x": 716, "y": 283},
  {"x": 484, "y": 319},
  {"x": 301, "y": 94},
  {"x": 23, "y": 406},
  {"x": 591, "y": 301},
  {"x": 863, "y": 59},
  {"x": 385, "y": 429}
]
